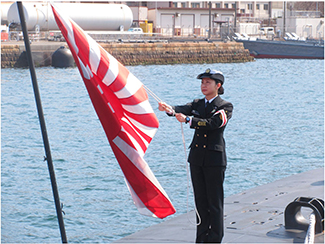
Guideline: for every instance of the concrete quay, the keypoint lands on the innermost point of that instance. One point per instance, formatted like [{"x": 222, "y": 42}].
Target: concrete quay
[
  {"x": 253, "y": 216},
  {"x": 12, "y": 53}
]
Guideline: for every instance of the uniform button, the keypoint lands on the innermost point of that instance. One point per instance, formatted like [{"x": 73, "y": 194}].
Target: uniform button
[
  {"x": 197, "y": 145},
  {"x": 197, "y": 134},
  {"x": 205, "y": 135},
  {"x": 204, "y": 146}
]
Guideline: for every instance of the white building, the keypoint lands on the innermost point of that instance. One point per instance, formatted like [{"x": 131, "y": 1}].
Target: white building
[
  {"x": 302, "y": 26},
  {"x": 189, "y": 21},
  {"x": 192, "y": 17}
]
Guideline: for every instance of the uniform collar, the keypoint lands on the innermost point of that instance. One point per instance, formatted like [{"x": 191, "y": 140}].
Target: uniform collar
[{"x": 211, "y": 100}]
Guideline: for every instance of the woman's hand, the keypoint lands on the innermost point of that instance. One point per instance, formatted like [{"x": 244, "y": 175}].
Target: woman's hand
[
  {"x": 180, "y": 117},
  {"x": 165, "y": 107}
]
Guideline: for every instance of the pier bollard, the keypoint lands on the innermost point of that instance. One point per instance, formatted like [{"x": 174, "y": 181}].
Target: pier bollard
[{"x": 294, "y": 218}]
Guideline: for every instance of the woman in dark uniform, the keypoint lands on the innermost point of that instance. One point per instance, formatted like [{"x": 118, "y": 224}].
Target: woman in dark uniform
[{"x": 207, "y": 157}]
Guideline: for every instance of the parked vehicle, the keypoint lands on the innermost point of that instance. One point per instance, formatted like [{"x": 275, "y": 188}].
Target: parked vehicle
[
  {"x": 136, "y": 30},
  {"x": 267, "y": 31}
]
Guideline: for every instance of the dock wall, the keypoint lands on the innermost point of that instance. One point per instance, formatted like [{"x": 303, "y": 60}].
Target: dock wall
[
  {"x": 9, "y": 55},
  {"x": 13, "y": 55}
]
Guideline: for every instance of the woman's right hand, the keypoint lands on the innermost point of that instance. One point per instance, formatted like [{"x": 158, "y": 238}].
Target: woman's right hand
[{"x": 164, "y": 107}]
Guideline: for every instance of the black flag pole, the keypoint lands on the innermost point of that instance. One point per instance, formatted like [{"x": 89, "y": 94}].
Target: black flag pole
[{"x": 48, "y": 157}]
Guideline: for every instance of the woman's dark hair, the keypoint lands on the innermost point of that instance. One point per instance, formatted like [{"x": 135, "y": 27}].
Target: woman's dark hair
[{"x": 221, "y": 90}]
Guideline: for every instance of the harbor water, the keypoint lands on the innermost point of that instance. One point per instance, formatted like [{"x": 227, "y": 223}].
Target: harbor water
[{"x": 277, "y": 130}]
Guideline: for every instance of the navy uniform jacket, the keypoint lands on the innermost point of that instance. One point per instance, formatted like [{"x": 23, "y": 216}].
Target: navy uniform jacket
[{"x": 208, "y": 144}]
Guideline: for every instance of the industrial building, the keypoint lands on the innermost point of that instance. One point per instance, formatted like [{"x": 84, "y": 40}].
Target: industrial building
[
  {"x": 226, "y": 17},
  {"x": 186, "y": 19}
]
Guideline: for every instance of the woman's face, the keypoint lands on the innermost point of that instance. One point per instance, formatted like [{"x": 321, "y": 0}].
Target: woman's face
[{"x": 209, "y": 87}]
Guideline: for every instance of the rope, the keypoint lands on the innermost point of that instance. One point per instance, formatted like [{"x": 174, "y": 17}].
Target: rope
[
  {"x": 187, "y": 169},
  {"x": 188, "y": 183},
  {"x": 311, "y": 230},
  {"x": 152, "y": 94}
]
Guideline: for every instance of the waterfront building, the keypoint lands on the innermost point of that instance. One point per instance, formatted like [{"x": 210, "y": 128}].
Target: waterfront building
[
  {"x": 219, "y": 19},
  {"x": 194, "y": 18}
]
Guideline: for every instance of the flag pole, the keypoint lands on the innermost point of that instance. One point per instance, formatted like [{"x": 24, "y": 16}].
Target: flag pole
[{"x": 48, "y": 157}]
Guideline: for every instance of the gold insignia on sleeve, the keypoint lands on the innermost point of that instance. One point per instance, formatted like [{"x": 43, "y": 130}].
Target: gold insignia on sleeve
[{"x": 201, "y": 123}]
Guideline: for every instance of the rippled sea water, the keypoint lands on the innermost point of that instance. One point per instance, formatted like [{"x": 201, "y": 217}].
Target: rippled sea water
[{"x": 277, "y": 130}]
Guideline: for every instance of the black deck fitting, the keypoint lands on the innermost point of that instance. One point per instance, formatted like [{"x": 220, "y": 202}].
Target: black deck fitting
[{"x": 294, "y": 219}]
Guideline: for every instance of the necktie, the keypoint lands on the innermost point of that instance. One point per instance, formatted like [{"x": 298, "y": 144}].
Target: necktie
[{"x": 206, "y": 108}]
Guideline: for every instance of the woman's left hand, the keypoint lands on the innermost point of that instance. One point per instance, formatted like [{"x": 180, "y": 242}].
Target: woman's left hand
[{"x": 180, "y": 117}]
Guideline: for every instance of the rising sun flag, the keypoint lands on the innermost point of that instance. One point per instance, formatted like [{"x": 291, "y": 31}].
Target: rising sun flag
[{"x": 122, "y": 106}]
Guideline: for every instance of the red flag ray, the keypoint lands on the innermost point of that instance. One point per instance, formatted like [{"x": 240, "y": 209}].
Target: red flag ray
[{"x": 122, "y": 106}]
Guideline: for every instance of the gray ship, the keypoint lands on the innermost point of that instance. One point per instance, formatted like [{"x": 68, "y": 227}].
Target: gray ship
[{"x": 309, "y": 49}]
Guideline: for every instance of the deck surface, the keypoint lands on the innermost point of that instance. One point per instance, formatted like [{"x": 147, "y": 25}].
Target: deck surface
[{"x": 253, "y": 216}]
